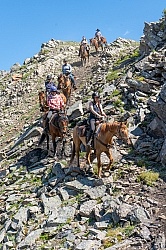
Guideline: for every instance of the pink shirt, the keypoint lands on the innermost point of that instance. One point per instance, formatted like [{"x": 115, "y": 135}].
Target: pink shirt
[{"x": 55, "y": 102}]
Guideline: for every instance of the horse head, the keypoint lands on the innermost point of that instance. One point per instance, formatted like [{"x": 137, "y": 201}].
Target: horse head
[
  {"x": 63, "y": 123},
  {"x": 60, "y": 81},
  {"x": 41, "y": 95},
  {"x": 63, "y": 81},
  {"x": 122, "y": 132},
  {"x": 103, "y": 40},
  {"x": 42, "y": 101}
]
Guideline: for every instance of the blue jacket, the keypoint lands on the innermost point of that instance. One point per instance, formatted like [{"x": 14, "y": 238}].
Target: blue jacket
[
  {"x": 48, "y": 85},
  {"x": 66, "y": 68}
]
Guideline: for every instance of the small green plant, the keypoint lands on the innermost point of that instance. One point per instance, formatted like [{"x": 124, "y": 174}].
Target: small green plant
[
  {"x": 148, "y": 177},
  {"x": 164, "y": 12},
  {"x": 113, "y": 75},
  {"x": 118, "y": 103},
  {"x": 128, "y": 230},
  {"x": 45, "y": 236},
  {"x": 25, "y": 76},
  {"x": 142, "y": 162},
  {"x": 115, "y": 92},
  {"x": 82, "y": 154},
  {"x": 139, "y": 78},
  {"x": 44, "y": 51},
  {"x": 64, "y": 162}
]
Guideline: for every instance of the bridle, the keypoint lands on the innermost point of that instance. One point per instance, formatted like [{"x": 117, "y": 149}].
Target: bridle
[
  {"x": 57, "y": 123},
  {"x": 62, "y": 118}
]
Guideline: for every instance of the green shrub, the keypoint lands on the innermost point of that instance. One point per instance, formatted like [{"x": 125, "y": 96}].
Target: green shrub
[
  {"x": 148, "y": 177},
  {"x": 112, "y": 75}
]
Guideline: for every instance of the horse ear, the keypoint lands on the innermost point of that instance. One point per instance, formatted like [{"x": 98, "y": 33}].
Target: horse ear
[{"x": 125, "y": 123}]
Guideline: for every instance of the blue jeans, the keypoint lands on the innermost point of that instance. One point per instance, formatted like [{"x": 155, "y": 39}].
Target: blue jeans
[{"x": 72, "y": 79}]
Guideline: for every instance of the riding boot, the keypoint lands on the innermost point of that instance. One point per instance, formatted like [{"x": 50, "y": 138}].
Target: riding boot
[{"x": 92, "y": 140}]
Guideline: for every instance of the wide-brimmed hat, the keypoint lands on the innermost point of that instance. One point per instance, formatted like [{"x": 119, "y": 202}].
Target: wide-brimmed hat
[{"x": 97, "y": 30}]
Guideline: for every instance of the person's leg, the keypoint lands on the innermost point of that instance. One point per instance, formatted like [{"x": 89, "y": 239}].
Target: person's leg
[
  {"x": 91, "y": 132},
  {"x": 73, "y": 81},
  {"x": 46, "y": 129}
]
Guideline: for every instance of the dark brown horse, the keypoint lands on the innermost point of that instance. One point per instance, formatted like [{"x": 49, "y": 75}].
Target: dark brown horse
[
  {"x": 102, "y": 142},
  {"x": 64, "y": 84},
  {"x": 43, "y": 102},
  {"x": 96, "y": 43},
  {"x": 58, "y": 127},
  {"x": 84, "y": 54}
]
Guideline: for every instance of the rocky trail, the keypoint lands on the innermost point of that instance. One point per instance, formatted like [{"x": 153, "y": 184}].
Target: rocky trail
[{"x": 47, "y": 203}]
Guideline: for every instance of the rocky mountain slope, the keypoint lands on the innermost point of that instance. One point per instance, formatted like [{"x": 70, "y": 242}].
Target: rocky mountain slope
[{"x": 47, "y": 204}]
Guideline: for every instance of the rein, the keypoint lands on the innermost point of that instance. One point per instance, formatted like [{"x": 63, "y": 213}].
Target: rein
[{"x": 104, "y": 144}]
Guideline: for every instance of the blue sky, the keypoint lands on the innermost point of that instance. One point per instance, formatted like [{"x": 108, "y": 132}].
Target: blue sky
[{"x": 26, "y": 24}]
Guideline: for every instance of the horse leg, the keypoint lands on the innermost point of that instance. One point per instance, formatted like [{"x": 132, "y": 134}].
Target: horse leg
[
  {"x": 99, "y": 164},
  {"x": 63, "y": 146},
  {"x": 73, "y": 153},
  {"x": 47, "y": 136},
  {"x": 77, "y": 150},
  {"x": 54, "y": 144},
  {"x": 109, "y": 155}
]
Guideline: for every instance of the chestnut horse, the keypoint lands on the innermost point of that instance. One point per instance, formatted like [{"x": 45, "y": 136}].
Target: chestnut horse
[
  {"x": 102, "y": 142},
  {"x": 94, "y": 42},
  {"x": 43, "y": 102},
  {"x": 58, "y": 127},
  {"x": 84, "y": 54},
  {"x": 64, "y": 84}
]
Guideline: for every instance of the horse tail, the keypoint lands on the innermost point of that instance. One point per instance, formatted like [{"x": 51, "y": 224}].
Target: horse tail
[
  {"x": 43, "y": 136},
  {"x": 73, "y": 152}
]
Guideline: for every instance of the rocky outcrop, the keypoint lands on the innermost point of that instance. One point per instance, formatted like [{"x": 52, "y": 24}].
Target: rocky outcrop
[{"x": 154, "y": 36}]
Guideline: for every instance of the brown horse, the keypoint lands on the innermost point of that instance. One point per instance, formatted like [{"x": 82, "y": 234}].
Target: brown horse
[
  {"x": 104, "y": 40},
  {"x": 84, "y": 54},
  {"x": 64, "y": 84},
  {"x": 102, "y": 142},
  {"x": 43, "y": 102},
  {"x": 58, "y": 127},
  {"x": 96, "y": 43}
]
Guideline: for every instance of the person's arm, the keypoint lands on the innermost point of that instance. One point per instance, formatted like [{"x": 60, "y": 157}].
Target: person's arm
[
  {"x": 102, "y": 111},
  {"x": 63, "y": 69},
  {"x": 70, "y": 68}
]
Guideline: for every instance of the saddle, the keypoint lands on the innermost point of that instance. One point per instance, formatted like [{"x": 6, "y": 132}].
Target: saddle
[{"x": 82, "y": 128}]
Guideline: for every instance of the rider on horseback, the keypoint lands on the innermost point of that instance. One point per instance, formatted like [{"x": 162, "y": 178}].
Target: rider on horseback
[
  {"x": 55, "y": 103},
  {"x": 84, "y": 42},
  {"x": 96, "y": 114},
  {"x": 98, "y": 35},
  {"x": 67, "y": 70},
  {"x": 48, "y": 84}
]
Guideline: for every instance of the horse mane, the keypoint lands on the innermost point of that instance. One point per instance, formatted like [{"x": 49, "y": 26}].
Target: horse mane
[{"x": 107, "y": 126}]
